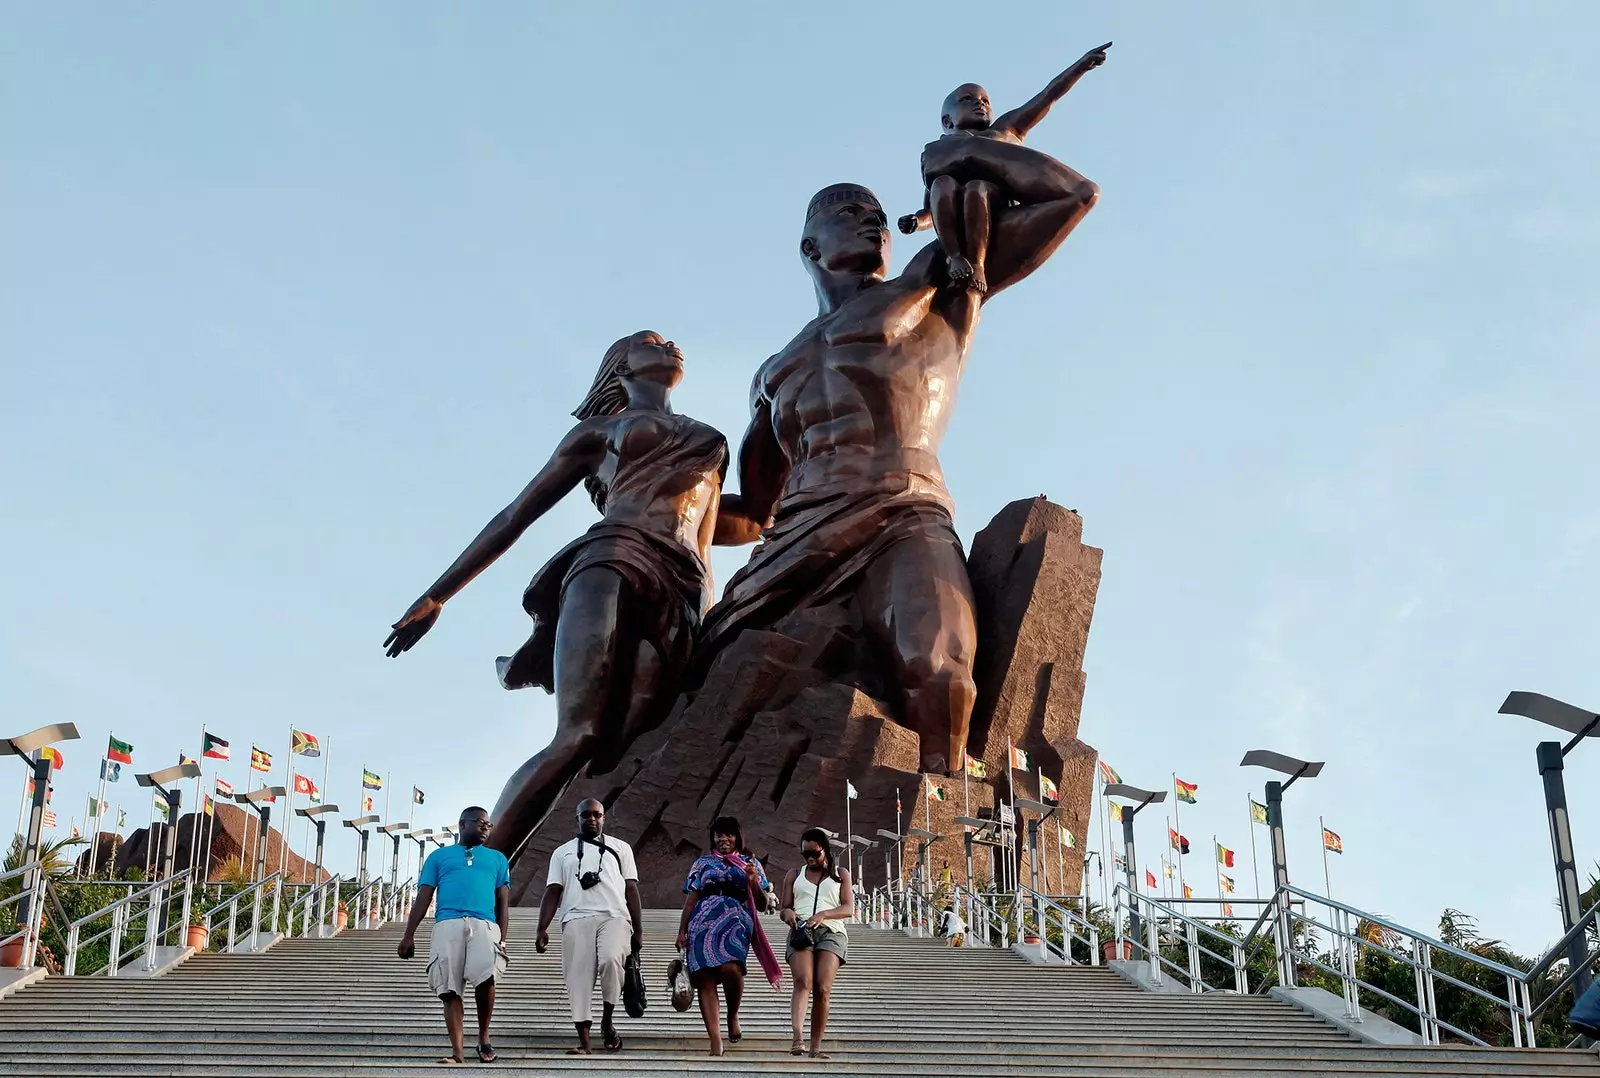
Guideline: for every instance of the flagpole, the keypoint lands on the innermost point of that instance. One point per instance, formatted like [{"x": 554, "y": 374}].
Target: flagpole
[
  {"x": 1218, "y": 867},
  {"x": 388, "y": 788},
  {"x": 849, "y": 846},
  {"x": 246, "y": 851},
  {"x": 327, "y": 758},
  {"x": 1177, "y": 819},
  {"x": 94, "y": 842},
  {"x": 288, "y": 808},
  {"x": 1255, "y": 870},
  {"x": 1327, "y": 881},
  {"x": 1104, "y": 899}
]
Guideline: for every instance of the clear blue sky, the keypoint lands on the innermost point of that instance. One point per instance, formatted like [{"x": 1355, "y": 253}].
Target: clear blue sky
[{"x": 294, "y": 299}]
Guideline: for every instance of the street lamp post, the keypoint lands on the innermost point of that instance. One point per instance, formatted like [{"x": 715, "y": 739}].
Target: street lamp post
[
  {"x": 1034, "y": 824},
  {"x": 261, "y": 799},
  {"x": 394, "y": 831},
  {"x": 1144, "y": 798},
  {"x": 1295, "y": 769},
  {"x": 359, "y": 826},
  {"x": 159, "y": 781},
  {"x": 1551, "y": 756},
  {"x": 420, "y": 837},
  {"x": 22, "y": 747},
  {"x": 315, "y": 814}
]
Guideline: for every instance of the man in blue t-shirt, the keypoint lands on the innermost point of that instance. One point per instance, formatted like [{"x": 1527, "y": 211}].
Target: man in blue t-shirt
[{"x": 472, "y": 884}]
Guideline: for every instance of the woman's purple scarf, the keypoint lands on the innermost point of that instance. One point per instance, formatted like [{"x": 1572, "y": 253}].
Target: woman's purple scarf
[{"x": 758, "y": 938}]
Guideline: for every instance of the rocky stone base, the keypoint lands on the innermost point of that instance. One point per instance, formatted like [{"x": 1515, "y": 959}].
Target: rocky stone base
[{"x": 786, "y": 716}]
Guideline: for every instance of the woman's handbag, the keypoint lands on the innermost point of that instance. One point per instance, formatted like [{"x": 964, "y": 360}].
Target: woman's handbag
[
  {"x": 633, "y": 1000},
  {"x": 678, "y": 983},
  {"x": 801, "y": 937}
]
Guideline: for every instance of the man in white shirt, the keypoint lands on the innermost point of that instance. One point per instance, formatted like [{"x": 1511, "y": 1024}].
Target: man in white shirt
[{"x": 594, "y": 884}]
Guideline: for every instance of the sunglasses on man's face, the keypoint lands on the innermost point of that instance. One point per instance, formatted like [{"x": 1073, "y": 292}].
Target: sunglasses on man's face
[{"x": 591, "y": 815}]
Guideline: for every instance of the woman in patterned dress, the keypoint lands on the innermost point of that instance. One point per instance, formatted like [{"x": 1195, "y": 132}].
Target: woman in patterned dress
[{"x": 726, "y": 888}]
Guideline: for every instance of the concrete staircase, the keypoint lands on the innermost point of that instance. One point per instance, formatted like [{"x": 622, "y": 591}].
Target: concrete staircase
[{"x": 904, "y": 1007}]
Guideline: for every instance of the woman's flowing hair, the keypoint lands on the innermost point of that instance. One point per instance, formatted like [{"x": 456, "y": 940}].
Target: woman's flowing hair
[
  {"x": 820, "y": 837},
  {"x": 607, "y": 396}
]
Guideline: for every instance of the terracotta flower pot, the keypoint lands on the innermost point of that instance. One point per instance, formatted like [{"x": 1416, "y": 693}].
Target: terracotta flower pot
[
  {"x": 341, "y": 919},
  {"x": 199, "y": 935},
  {"x": 11, "y": 954},
  {"x": 1108, "y": 950}
]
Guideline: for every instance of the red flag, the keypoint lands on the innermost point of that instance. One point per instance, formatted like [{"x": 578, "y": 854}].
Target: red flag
[
  {"x": 1224, "y": 856},
  {"x": 1179, "y": 843},
  {"x": 303, "y": 785},
  {"x": 1150, "y": 879}
]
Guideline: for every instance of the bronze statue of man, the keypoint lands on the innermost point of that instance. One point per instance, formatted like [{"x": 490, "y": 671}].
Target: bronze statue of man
[
  {"x": 840, "y": 464},
  {"x": 616, "y": 610}
]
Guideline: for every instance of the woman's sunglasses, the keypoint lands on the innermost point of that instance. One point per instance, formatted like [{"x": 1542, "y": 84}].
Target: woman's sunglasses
[{"x": 810, "y": 854}]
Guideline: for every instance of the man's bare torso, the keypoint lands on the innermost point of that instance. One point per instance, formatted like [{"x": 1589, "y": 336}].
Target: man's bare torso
[{"x": 861, "y": 398}]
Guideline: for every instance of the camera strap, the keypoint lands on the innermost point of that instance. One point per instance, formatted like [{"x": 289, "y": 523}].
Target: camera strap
[{"x": 603, "y": 848}]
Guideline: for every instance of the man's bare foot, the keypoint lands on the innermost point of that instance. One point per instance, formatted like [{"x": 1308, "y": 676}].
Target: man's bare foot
[{"x": 961, "y": 270}]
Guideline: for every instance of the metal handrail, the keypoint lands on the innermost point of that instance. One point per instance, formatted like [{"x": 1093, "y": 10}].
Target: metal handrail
[
  {"x": 1042, "y": 906},
  {"x": 33, "y": 924},
  {"x": 984, "y": 911},
  {"x": 317, "y": 896},
  {"x": 256, "y": 891},
  {"x": 1161, "y": 920},
  {"x": 159, "y": 894},
  {"x": 370, "y": 893}
]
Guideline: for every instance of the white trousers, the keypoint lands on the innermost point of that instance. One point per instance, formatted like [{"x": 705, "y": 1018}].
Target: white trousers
[{"x": 590, "y": 946}]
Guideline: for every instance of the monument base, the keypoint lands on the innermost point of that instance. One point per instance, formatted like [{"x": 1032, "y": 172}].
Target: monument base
[{"x": 788, "y": 716}]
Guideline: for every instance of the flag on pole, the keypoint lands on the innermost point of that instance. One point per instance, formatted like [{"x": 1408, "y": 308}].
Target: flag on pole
[
  {"x": 370, "y": 781},
  {"x": 122, "y": 819},
  {"x": 303, "y": 744},
  {"x": 1150, "y": 880},
  {"x": 1179, "y": 843},
  {"x": 1121, "y": 863},
  {"x": 49, "y": 790},
  {"x": 97, "y": 807},
  {"x": 260, "y": 761},
  {"x": 224, "y": 787},
  {"x": 1227, "y": 909},
  {"x": 935, "y": 791},
  {"x": 50, "y": 818},
  {"x": 1168, "y": 870},
  {"x": 1186, "y": 791},
  {"x": 214, "y": 747},
  {"x": 897, "y": 808},
  {"x": 53, "y": 754},
  {"x": 304, "y": 785},
  {"x": 75, "y": 832},
  {"x": 1226, "y": 882},
  {"x": 366, "y": 804},
  {"x": 1047, "y": 790},
  {"x": 977, "y": 768},
  {"x": 1066, "y": 837},
  {"x": 1116, "y": 812},
  {"x": 850, "y": 790},
  {"x": 1188, "y": 892},
  {"x": 1258, "y": 811},
  {"x": 1109, "y": 772},
  {"x": 416, "y": 796},
  {"x": 163, "y": 810},
  {"x": 1019, "y": 760},
  {"x": 211, "y": 806},
  {"x": 110, "y": 770},
  {"x": 1332, "y": 842},
  {"x": 1224, "y": 856},
  {"x": 185, "y": 758},
  {"x": 120, "y": 751}
]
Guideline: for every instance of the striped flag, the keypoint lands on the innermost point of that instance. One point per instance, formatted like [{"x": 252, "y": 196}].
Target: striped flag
[
  {"x": 1109, "y": 772},
  {"x": 260, "y": 761},
  {"x": 1186, "y": 791},
  {"x": 977, "y": 768},
  {"x": 366, "y": 804},
  {"x": 96, "y": 806},
  {"x": 120, "y": 751},
  {"x": 935, "y": 791},
  {"x": 1224, "y": 856},
  {"x": 211, "y": 806},
  {"x": 1168, "y": 870},
  {"x": 214, "y": 747},
  {"x": 1226, "y": 882},
  {"x": 1179, "y": 843},
  {"x": 1227, "y": 909},
  {"x": 303, "y": 744},
  {"x": 50, "y": 818},
  {"x": 224, "y": 787},
  {"x": 370, "y": 781},
  {"x": 1258, "y": 812},
  {"x": 53, "y": 754},
  {"x": 1019, "y": 760},
  {"x": 1047, "y": 790},
  {"x": 1188, "y": 892},
  {"x": 1332, "y": 842}
]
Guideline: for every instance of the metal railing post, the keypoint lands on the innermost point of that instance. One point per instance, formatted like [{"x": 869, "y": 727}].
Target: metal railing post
[{"x": 1153, "y": 953}]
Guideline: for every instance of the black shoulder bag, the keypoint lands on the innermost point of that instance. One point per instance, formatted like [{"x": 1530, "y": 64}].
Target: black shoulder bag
[{"x": 801, "y": 938}]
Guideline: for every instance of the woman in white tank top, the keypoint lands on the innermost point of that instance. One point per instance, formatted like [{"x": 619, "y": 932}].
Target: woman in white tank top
[{"x": 817, "y": 900}]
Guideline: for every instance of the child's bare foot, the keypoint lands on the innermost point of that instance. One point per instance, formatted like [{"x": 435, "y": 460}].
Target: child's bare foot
[
  {"x": 978, "y": 283},
  {"x": 961, "y": 270}
]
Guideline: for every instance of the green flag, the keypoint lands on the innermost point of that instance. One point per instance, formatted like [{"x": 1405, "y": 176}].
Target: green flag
[{"x": 1258, "y": 812}]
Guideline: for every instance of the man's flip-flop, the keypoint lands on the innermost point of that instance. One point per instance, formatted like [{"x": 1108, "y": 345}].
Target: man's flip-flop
[
  {"x": 487, "y": 1054},
  {"x": 579, "y": 1052},
  {"x": 452, "y": 1061},
  {"x": 613, "y": 1043}
]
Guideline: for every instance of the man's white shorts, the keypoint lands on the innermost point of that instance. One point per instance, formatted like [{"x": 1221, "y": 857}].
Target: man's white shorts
[{"x": 463, "y": 952}]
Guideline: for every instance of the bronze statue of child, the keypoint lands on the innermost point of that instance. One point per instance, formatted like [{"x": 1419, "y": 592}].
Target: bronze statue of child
[{"x": 962, "y": 195}]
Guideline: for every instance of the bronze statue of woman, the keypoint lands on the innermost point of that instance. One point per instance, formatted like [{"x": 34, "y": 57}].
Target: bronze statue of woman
[{"x": 616, "y": 611}]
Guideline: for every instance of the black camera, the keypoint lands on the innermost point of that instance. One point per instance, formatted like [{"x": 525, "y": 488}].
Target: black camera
[{"x": 589, "y": 879}]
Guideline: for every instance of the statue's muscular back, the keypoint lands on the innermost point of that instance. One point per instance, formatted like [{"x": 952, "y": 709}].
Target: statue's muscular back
[{"x": 861, "y": 398}]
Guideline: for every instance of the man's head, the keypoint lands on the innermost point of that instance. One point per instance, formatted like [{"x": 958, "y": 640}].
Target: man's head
[
  {"x": 591, "y": 819},
  {"x": 473, "y": 827},
  {"x": 967, "y": 109},
  {"x": 846, "y": 232}
]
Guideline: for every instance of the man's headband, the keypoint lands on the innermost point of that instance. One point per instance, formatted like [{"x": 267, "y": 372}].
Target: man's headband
[{"x": 841, "y": 192}]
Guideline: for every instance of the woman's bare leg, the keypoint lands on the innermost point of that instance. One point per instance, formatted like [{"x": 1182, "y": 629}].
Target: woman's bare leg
[
  {"x": 590, "y": 664},
  {"x": 733, "y": 992},
  {"x": 800, "y": 967},
  {"x": 821, "y": 995},
  {"x": 705, "y": 982}
]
